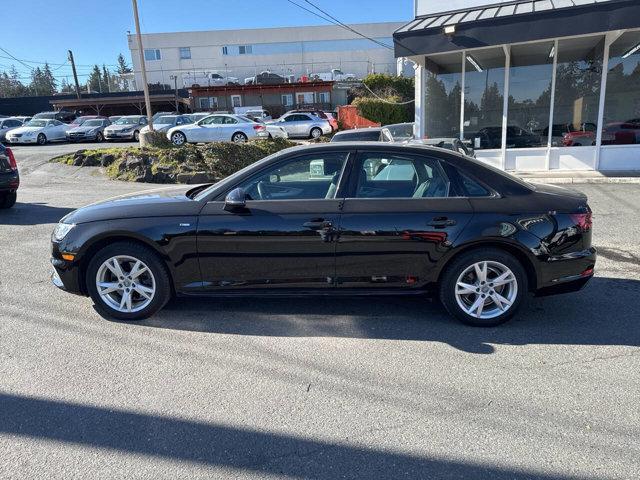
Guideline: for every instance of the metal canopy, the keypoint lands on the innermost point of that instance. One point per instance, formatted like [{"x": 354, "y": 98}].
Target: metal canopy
[{"x": 513, "y": 22}]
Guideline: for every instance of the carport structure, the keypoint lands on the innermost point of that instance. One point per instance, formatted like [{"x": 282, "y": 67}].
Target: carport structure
[{"x": 122, "y": 103}]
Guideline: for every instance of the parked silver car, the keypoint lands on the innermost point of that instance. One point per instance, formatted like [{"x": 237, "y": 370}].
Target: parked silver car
[
  {"x": 126, "y": 128},
  {"x": 218, "y": 128},
  {"x": 164, "y": 122},
  {"x": 90, "y": 130},
  {"x": 8, "y": 124},
  {"x": 303, "y": 125}
]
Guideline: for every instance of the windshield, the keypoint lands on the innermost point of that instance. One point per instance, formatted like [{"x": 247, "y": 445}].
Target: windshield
[
  {"x": 165, "y": 120},
  {"x": 36, "y": 123},
  {"x": 92, "y": 123},
  {"x": 401, "y": 131},
  {"x": 46, "y": 115},
  {"x": 127, "y": 121},
  {"x": 79, "y": 121}
]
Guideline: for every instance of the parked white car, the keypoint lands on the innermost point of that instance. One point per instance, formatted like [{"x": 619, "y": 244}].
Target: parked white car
[
  {"x": 218, "y": 128},
  {"x": 335, "y": 75},
  {"x": 273, "y": 131},
  {"x": 164, "y": 122},
  {"x": 206, "y": 79},
  {"x": 8, "y": 124},
  {"x": 126, "y": 128},
  {"x": 303, "y": 125},
  {"x": 39, "y": 131}
]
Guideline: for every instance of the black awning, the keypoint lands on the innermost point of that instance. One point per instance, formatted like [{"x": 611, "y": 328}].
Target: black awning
[{"x": 514, "y": 22}]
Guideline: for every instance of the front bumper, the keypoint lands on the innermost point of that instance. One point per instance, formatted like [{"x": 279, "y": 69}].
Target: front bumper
[
  {"x": 77, "y": 137},
  {"x": 66, "y": 273},
  {"x": 119, "y": 135},
  {"x": 23, "y": 139}
]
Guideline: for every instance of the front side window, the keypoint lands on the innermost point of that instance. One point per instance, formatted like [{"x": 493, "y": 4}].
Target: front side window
[
  {"x": 213, "y": 120},
  {"x": 621, "y": 124},
  {"x": 151, "y": 54},
  {"x": 382, "y": 175},
  {"x": 309, "y": 177},
  {"x": 185, "y": 53}
]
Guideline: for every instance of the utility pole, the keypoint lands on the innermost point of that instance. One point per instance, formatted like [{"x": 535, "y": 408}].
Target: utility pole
[
  {"x": 143, "y": 68},
  {"x": 75, "y": 74}
]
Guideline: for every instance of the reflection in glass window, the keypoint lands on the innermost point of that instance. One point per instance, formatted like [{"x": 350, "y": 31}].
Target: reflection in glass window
[
  {"x": 529, "y": 95},
  {"x": 577, "y": 97},
  {"x": 622, "y": 103},
  {"x": 484, "y": 97},
  {"x": 443, "y": 93}
]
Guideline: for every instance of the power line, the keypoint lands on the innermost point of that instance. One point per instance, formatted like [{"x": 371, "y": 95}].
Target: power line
[{"x": 16, "y": 59}]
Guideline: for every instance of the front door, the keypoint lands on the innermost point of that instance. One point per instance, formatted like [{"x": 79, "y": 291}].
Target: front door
[
  {"x": 397, "y": 221},
  {"x": 285, "y": 237}
]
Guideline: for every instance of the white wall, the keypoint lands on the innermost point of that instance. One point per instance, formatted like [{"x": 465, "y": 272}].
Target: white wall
[{"x": 427, "y": 7}]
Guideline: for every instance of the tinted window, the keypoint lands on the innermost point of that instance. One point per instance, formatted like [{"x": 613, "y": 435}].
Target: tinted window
[
  {"x": 230, "y": 121},
  {"x": 306, "y": 177},
  {"x": 398, "y": 176},
  {"x": 471, "y": 187},
  {"x": 365, "y": 136}
]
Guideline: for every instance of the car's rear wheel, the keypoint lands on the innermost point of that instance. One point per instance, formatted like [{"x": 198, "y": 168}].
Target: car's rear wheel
[
  {"x": 239, "y": 137},
  {"x": 316, "y": 132},
  {"x": 128, "y": 281},
  {"x": 178, "y": 138},
  {"x": 8, "y": 200},
  {"x": 42, "y": 139},
  {"x": 484, "y": 287}
]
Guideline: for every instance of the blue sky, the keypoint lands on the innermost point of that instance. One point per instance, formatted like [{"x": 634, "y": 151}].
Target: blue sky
[{"x": 96, "y": 30}]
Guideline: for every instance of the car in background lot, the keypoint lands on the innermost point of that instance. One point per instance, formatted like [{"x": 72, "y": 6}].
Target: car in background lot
[
  {"x": 80, "y": 120},
  {"x": 348, "y": 218},
  {"x": 196, "y": 117},
  {"x": 322, "y": 115},
  {"x": 265, "y": 78},
  {"x": 40, "y": 131},
  {"x": 450, "y": 143},
  {"x": 400, "y": 132},
  {"x": 262, "y": 115},
  {"x": 90, "y": 130},
  {"x": 566, "y": 135},
  {"x": 126, "y": 128},
  {"x": 303, "y": 125},
  {"x": 62, "y": 116},
  {"x": 622, "y": 133},
  {"x": 113, "y": 118},
  {"x": 274, "y": 131},
  {"x": 218, "y": 128},
  {"x": 9, "y": 178},
  {"x": 373, "y": 134},
  {"x": 165, "y": 122},
  {"x": 8, "y": 124}
]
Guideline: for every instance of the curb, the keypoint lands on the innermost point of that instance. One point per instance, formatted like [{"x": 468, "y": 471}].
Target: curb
[{"x": 569, "y": 180}]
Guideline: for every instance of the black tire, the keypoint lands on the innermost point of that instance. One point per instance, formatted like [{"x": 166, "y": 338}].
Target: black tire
[
  {"x": 317, "y": 131},
  {"x": 99, "y": 137},
  {"x": 136, "y": 136},
  {"x": 239, "y": 137},
  {"x": 8, "y": 200},
  {"x": 42, "y": 139},
  {"x": 461, "y": 263},
  {"x": 154, "y": 263}
]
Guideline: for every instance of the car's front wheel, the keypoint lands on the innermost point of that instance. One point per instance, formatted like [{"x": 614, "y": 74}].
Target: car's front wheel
[
  {"x": 136, "y": 136},
  {"x": 42, "y": 139},
  {"x": 484, "y": 287},
  {"x": 8, "y": 200},
  {"x": 178, "y": 138},
  {"x": 128, "y": 281},
  {"x": 99, "y": 137}
]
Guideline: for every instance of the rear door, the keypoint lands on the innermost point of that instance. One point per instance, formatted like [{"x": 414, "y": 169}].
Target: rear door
[{"x": 398, "y": 220}]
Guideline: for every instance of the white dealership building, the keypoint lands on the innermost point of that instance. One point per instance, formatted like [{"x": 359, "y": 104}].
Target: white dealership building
[
  {"x": 534, "y": 85},
  {"x": 288, "y": 51}
]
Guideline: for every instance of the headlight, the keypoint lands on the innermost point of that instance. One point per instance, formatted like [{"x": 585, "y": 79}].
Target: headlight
[
  {"x": 61, "y": 231},
  {"x": 29, "y": 134}
]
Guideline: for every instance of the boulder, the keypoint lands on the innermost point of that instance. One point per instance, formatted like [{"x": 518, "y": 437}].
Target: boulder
[
  {"x": 107, "y": 159},
  {"x": 91, "y": 161}
]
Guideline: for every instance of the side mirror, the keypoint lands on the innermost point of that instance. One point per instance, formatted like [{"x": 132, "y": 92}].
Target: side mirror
[{"x": 236, "y": 199}]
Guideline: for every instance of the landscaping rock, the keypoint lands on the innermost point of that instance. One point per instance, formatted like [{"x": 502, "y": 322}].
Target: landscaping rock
[
  {"x": 107, "y": 160},
  {"x": 91, "y": 161},
  {"x": 133, "y": 163},
  {"x": 78, "y": 160}
]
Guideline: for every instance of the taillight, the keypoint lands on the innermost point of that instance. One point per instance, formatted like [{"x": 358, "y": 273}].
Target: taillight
[
  {"x": 259, "y": 128},
  {"x": 582, "y": 220},
  {"x": 12, "y": 160}
]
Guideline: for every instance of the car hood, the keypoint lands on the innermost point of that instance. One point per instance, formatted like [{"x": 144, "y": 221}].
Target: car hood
[
  {"x": 116, "y": 128},
  {"x": 161, "y": 202},
  {"x": 27, "y": 129},
  {"x": 81, "y": 129}
]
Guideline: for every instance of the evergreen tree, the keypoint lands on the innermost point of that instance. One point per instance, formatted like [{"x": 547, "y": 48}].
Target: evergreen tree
[
  {"x": 94, "y": 84},
  {"x": 106, "y": 78},
  {"x": 122, "y": 65}
]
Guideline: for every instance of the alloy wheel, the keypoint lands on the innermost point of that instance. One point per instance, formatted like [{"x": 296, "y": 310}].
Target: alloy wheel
[
  {"x": 125, "y": 284},
  {"x": 178, "y": 138},
  {"x": 486, "y": 289},
  {"x": 239, "y": 138},
  {"x": 316, "y": 133}
]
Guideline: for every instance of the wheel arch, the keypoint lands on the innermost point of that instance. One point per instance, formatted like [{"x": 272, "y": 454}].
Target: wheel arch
[
  {"x": 519, "y": 253},
  {"x": 98, "y": 243}
]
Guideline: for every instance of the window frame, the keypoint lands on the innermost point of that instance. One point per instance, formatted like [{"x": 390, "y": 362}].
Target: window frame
[
  {"x": 181, "y": 50},
  {"x": 156, "y": 53},
  {"x": 225, "y": 50}
]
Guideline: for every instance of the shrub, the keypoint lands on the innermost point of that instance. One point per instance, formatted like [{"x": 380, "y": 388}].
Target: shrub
[{"x": 379, "y": 111}]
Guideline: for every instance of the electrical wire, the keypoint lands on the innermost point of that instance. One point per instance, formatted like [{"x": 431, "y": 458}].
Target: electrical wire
[{"x": 384, "y": 99}]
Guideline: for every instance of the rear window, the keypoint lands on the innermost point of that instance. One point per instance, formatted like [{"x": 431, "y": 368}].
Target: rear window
[
  {"x": 473, "y": 188},
  {"x": 365, "y": 136}
]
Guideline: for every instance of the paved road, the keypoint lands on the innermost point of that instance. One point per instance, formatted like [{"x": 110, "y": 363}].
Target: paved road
[{"x": 307, "y": 388}]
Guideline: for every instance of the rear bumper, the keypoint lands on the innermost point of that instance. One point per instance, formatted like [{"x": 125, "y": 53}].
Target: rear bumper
[
  {"x": 9, "y": 182},
  {"x": 567, "y": 273}
]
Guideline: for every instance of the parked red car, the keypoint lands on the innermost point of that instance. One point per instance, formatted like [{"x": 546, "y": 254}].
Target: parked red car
[{"x": 622, "y": 133}]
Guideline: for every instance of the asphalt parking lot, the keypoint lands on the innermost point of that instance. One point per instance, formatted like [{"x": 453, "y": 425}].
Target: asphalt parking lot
[{"x": 312, "y": 388}]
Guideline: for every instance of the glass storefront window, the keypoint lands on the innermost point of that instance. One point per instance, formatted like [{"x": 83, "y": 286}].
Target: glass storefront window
[
  {"x": 443, "y": 94},
  {"x": 530, "y": 94},
  {"x": 621, "y": 124},
  {"x": 577, "y": 96},
  {"x": 484, "y": 97}
]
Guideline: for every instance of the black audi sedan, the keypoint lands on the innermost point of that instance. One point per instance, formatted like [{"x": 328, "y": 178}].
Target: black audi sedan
[{"x": 334, "y": 219}]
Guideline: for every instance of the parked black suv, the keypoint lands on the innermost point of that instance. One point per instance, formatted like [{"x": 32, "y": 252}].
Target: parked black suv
[
  {"x": 9, "y": 179},
  {"x": 62, "y": 115}
]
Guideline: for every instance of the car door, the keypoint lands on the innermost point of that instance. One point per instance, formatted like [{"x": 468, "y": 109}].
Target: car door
[
  {"x": 227, "y": 128},
  {"x": 285, "y": 236},
  {"x": 60, "y": 129},
  {"x": 398, "y": 220}
]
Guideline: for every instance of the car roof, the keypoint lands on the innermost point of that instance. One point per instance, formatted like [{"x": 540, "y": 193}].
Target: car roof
[{"x": 358, "y": 130}]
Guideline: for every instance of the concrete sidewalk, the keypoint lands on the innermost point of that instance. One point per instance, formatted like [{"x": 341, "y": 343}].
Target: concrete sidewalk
[{"x": 580, "y": 176}]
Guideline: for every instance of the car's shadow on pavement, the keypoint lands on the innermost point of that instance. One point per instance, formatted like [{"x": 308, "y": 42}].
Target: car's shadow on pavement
[
  {"x": 32, "y": 214},
  {"x": 604, "y": 313}
]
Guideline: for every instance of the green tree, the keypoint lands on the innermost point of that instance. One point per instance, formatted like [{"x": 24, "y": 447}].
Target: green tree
[
  {"x": 123, "y": 67},
  {"x": 94, "y": 83}
]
